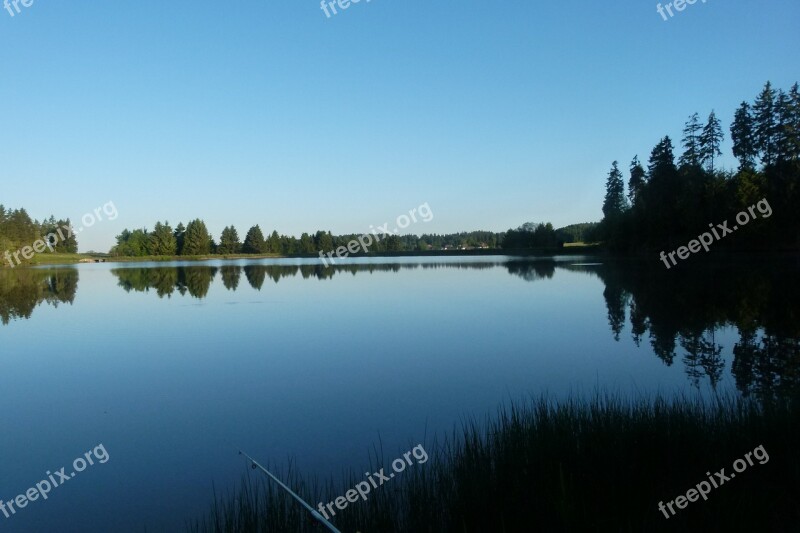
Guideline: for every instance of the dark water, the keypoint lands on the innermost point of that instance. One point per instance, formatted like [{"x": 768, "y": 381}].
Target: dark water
[{"x": 171, "y": 367}]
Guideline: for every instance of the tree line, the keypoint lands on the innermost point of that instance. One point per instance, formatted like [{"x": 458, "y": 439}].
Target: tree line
[
  {"x": 18, "y": 229},
  {"x": 669, "y": 202},
  {"x": 194, "y": 239}
]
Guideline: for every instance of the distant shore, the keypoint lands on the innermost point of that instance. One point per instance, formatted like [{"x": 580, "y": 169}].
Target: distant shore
[
  {"x": 70, "y": 259},
  {"x": 578, "y": 249}
]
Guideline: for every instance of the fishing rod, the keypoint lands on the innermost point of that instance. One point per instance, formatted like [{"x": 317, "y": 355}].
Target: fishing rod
[{"x": 300, "y": 500}]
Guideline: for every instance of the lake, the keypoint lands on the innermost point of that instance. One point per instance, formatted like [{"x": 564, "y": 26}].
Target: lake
[{"x": 173, "y": 367}]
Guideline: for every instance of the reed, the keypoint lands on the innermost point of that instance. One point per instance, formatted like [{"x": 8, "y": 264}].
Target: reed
[{"x": 599, "y": 464}]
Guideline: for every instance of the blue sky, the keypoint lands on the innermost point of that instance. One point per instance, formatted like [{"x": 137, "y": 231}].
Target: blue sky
[{"x": 494, "y": 113}]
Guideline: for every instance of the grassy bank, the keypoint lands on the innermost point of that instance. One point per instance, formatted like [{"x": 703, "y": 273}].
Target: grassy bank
[
  {"x": 70, "y": 259},
  {"x": 598, "y": 465},
  {"x": 55, "y": 259}
]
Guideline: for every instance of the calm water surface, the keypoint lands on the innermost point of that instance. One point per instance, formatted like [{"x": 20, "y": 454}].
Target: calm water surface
[{"x": 173, "y": 366}]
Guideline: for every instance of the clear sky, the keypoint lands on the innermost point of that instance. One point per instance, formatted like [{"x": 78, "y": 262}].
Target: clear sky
[{"x": 268, "y": 112}]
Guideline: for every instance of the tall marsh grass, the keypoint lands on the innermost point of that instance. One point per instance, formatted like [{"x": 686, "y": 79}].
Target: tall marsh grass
[{"x": 578, "y": 465}]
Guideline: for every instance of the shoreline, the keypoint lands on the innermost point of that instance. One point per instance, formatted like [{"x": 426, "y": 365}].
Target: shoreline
[
  {"x": 80, "y": 258},
  {"x": 580, "y": 250}
]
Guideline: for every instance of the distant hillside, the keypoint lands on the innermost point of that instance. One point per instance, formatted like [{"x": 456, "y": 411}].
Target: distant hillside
[{"x": 584, "y": 232}]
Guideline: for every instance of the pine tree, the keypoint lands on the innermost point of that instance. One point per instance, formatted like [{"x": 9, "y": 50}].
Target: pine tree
[
  {"x": 229, "y": 241},
  {"x": 5, "y": 241},
  {"x": 691, "y": 142},
  {"x": 180, "y": 233},
  {"x": 765, "y": 127},
  {"x": 70, "y": 243},
  {"x": 614, "y": 204},
  {"x": 306, "y": 244},
  {"x": 662, "y": 161},
  {"x": 710, "y": 141},
  {"x": 288, "y": 245},
  {"x": 637, "y": 180},
  {"x": 662, "y": 195},
  {"x": 274, "y": 243},
  {"x": 743, "y": 137},
  {"x": 254, "y": 241},
  {"x": 162, "y": 240},
  {"x": 785, "y": 136},
  {"x": 323, "y": 241},
  {"x": 134, "y": 243},
  {"x": 794, "y": 123},
  {"x": 197, "y": 240},
  {"x": 49, "y": 230}
]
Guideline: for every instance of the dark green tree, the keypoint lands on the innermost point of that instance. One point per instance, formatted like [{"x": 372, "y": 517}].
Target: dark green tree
[
  {"x": 615, "y": 206},
  {"x": 180, "y": 233},
  {"x": 584, "y": 232},
  {"x": 323, "y": 241},
  {"x": 743, "y": 137},
  {"x": 134, "y": 243},
  {"x": 70, "y": 242},
  {"x": 530, "y": 235},
  {"x": 19, "y": 232},
  {"x": 691, "y": 142},
  {"x": 306, "y": 244},
  {"x": 710, "y": 142},
  {"x": 765, "y": 123},
  {"x": 637, "y": 180},
  {"x": 289, "y": 245},
  {"x": 794, "y": 121},
  {"x": 254, "y": 241},
  {"x": 53, "y": 230},
  {"x": 229, "y": 242},
  {"x": 785, "y": 129},
  {"x": 392, "y": 243},
  {"x": 662, "y": 161},
  {"x": 162, "y": 240},
  {"x": 274, "y": 243},
  {"x": 662, "y": 195},
  {"x": 197, "y": 240},
  {"x": 615, "y": 203}
]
